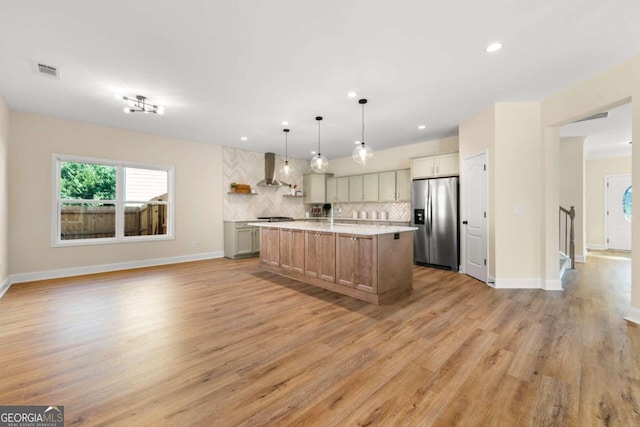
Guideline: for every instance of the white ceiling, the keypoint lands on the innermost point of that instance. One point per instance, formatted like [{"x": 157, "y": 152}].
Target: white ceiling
[
  {"x": 606, "y": 137},
  {"x": 226, "y": 69}
]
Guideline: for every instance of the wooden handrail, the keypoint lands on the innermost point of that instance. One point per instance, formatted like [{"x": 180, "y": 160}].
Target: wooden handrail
[{"x": 569, "y": 216}]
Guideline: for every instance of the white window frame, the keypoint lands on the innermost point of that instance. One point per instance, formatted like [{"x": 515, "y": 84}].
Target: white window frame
[{"x": 56, "y": 162}]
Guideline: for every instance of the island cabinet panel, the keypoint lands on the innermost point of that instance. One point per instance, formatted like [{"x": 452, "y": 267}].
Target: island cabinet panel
[
  {"x": 374, "y": 264},
  {"x": 292, "y": 250},
  {"x": 357, "y": 261},
  {"x": 320, "y": 255},
  {"x": 270, "y": 246}
]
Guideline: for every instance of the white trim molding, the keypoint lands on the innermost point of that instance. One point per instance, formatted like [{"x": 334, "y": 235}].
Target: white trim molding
[
  {"x": 553, "y": 285},
  {"x": 596, "y": 247},
  {"x": 633, "y": 315},
  {"x": 532, "y": 283},
  {"x": 104, "y": 268},
  {"x": 518, "y": 284},
  {"x": 4, "y": 286}
]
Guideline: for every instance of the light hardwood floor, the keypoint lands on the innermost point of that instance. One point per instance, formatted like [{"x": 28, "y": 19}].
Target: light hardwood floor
[{"x": 220, "y": 343}]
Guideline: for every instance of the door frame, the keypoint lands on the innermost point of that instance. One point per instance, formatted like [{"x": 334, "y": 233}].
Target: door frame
[
  {"x": 606, "y": 205},
  {"x": 463, "y": 202}
]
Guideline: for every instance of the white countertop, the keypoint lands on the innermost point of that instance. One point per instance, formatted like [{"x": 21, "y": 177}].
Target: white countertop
[
  {"x": 340, "y": 218},
  {"x": 245, "y": 220},
  {"x": 369, "y": 230}
]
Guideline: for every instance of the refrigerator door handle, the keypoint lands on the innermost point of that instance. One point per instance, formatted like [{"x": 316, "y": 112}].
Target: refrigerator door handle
[{"x": 429, "y": 213}]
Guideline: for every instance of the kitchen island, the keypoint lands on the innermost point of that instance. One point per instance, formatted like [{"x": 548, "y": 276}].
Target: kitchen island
[{"x": 372, "y": 263}]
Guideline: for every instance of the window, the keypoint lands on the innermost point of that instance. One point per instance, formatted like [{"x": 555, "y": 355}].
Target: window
[
  {"x": 626, "y": 203},
  {"x": 102, "y": 201}
]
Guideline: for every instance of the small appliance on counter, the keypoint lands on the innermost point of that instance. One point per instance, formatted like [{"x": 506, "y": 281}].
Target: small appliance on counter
[{"x": 317, "y": 211}]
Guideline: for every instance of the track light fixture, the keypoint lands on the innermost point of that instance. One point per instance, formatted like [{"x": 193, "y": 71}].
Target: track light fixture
[{"x": 140, "y": 105}]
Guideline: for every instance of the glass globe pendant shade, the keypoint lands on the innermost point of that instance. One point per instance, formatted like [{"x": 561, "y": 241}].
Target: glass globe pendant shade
[
  {"x": 362, "y": 154},
  {"x": 286, "y": 169},
  {"x": 319, "y": 163}
]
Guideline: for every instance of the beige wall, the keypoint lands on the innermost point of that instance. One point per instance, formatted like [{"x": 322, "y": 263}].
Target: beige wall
[
  {"x": 4, "y": 192},
  {"x": 596, "y": 170},
  {"x": 393, "y": 158},
  {"x": 517, "y": 185},
  {"x": 609, "y": 89},
  {"x": 572, "y": 188},
  {"x": 478, "y": 135},
  {"x": 510, "y": 132},
  {"x": 198, "y": 192}
]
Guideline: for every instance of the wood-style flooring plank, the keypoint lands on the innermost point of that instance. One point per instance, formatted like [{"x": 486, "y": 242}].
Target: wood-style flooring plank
[{"x": 221, "y": 343}]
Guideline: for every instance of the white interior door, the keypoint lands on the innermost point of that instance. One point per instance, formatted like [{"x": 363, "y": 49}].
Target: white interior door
[
  {"x": 474, "y": 221},
  {"x": 618, "y": 189}
]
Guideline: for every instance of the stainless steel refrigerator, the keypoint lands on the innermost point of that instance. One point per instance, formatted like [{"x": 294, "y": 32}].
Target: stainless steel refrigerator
[{"x": 434, "y": 207}]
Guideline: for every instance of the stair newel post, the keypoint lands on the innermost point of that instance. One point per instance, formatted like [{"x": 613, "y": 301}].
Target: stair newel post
[{"x": 572, "y": 244}]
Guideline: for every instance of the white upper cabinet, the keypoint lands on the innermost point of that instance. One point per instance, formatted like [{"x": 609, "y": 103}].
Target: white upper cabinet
[
  {"x": 395, "y": 186},
  {"x": 363, "y": 188},
  {"x": 315, "y": 187},
  {"x": 387, "y": 182},
  {"x": 435, "y": 166},
  {"x": 403, "y": 185},
  {"x": 338, "y": 187},
  {"x": 370, "y": 188}
]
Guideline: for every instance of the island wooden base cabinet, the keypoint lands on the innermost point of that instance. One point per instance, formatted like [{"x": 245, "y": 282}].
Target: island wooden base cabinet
[{"x": 373, "y": 268}]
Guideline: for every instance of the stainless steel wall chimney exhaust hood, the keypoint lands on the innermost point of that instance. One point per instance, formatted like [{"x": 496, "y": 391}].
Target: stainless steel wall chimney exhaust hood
[{"x": 270, "y": 172}]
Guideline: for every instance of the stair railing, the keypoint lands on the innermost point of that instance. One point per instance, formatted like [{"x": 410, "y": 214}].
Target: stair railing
[{"x": 567, "y": 228}]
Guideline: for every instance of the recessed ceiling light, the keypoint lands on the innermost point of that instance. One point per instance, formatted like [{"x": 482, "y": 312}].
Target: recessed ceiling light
[
  {"x": 422, "y": 127},
  {"x": 285, "y": 123},
  {"x": 494, "y": 47},
  {"x": 243, "y": 138},
  {"x": 313, "y": 152},
  {"x": 356, "y": 142},
  {"x": 352, "y": 94}
]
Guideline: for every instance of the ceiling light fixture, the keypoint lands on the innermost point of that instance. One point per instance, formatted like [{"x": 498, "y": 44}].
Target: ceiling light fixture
[
  {"x": 362, "y": 153},
  {"x": 422, "y": 127},
  {"x": 243, "y": 138},
  {"x": 319, "y": 163},
  {"x": 286, "y": 170},
  {"x": 494, "y": 47},
  {"x": 140, "y": 105},
  {"x": 285, "y": 123},
  {"x": 352, "y": 94}
]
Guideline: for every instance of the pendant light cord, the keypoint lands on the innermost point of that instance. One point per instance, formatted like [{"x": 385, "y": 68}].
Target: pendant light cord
[
  {"x": 363, "y": 124},
  {"x": 319, "y": 119}
]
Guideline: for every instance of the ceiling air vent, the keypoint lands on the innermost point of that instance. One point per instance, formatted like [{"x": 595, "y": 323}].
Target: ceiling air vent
[{"x": 47, "y": 70}]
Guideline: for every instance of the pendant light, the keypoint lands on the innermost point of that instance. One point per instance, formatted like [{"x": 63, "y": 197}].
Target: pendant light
[
  {"x": 319, "y": 163},
  {"x": 286, "y": 169},
  {"x": 362, "y": 154}
]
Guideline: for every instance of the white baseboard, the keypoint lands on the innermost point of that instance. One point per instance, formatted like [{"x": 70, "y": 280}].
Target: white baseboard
[
  {"x": 103, "y": 268},
  {"x": 518, "y": 284},
  {"x": 633, "y": 315},
  {"x": 553, "y": 285},
  {"x": 4, "y": 286},
  {"x": 596, "y": 247},
  {"x": 533, "y": 283}
]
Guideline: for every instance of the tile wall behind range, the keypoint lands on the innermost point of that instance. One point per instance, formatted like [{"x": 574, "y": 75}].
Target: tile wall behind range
[{"x": 247, "y": 167}]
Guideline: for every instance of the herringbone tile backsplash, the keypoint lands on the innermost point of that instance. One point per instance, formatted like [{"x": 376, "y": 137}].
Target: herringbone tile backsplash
[{"x": 247, "y": 167}]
